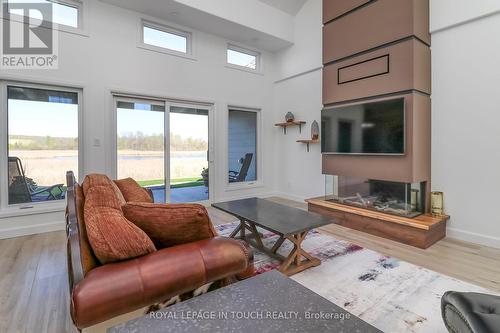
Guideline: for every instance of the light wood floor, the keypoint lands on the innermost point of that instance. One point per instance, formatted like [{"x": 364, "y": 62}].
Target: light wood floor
[{"x": 34, "y": 287}]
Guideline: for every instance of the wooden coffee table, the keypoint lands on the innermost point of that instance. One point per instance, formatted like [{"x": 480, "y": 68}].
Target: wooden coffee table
[{"x": 287, "y": 222}]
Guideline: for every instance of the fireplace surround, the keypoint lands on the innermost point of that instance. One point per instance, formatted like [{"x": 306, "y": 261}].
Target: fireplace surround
[{"x": 376, "y": 51}]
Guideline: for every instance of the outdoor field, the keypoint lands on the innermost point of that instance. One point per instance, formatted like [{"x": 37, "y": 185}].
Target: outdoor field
[{"x": 48, "y": 167}]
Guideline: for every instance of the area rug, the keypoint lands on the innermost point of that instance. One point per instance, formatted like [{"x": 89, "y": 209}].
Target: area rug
[{"x": 390, "y": 294}]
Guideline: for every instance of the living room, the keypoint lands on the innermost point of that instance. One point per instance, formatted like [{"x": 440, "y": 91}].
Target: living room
[{"x": 332, "y": 138}]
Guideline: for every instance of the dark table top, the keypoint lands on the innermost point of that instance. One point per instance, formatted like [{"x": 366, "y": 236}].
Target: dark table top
[
  {"x": 269, "y": 302},
  {"x": 282, "y": 219}
]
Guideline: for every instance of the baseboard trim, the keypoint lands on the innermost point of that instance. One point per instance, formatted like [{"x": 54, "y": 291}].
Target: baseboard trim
[
  {"x": 245, "y": 196},
  {"x": 472, "y": 237},
  {"x": 31, "y": 229},
  {"x": 289, "y": 196}
]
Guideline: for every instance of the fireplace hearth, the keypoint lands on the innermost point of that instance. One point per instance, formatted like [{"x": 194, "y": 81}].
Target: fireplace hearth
[{"x": 401, "y": 199}]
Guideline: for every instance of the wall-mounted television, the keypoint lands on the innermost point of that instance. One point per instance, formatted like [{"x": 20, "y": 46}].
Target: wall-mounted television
[{"x": 373, "y": 128}]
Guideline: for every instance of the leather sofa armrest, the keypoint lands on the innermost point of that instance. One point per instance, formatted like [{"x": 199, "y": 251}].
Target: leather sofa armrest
[
  {"x": 114, "y": 289},
  {"x": 247, "y": 250}
]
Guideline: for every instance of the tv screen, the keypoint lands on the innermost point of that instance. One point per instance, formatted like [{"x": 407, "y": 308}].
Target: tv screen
[{"x": 369, "y": 128}]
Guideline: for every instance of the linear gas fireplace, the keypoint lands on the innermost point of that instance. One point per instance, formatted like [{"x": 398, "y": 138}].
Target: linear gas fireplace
[{"x": 402, "y": 199}]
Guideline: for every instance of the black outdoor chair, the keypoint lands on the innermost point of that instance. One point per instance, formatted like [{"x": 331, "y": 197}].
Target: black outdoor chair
[
  {"x": 22, "y": 189},
  {"x": 240, "y": 176}
]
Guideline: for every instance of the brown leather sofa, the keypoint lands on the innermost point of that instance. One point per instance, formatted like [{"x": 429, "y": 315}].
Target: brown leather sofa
[{"x": 101, "y": 292}]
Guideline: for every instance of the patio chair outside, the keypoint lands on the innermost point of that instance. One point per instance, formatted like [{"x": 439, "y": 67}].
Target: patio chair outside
[
  {"x": 240, "y": 176},
  {"x": 22, "y": 191}
]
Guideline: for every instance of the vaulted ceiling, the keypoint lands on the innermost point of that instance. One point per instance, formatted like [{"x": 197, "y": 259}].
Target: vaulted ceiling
[{"x": 291, "y": 7}]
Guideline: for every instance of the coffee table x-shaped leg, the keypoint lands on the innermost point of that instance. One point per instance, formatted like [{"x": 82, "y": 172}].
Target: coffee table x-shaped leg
[{"x": 296, "y": 261}]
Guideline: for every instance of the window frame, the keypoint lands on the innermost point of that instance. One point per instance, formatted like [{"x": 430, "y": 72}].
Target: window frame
[
  {"x": 80, "y": 5},
  {"x": 240, "y": 49},
  {"x": 169, "y": 29},
  {"x": 7, "y": 210},
  {"x": 259, "y": 182}
]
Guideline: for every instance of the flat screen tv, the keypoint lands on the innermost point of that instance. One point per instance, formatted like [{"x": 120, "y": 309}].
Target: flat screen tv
[{"x": 370, "y": 128}]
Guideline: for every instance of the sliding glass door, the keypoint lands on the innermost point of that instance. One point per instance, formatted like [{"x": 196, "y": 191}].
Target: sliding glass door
[
  {"x": 189, "y": 145},
  {"x": 140, "y": 144},
  {"x": 174, "y": 167}
]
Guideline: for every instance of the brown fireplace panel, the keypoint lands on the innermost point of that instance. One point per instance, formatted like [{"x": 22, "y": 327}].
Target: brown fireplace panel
[
  {"x": 376, "y": 24},
  {"x": 363, "y": 70},
  {"x": 413, "y": 166},
  {"x": 399, "y": 67},
  {"x": 335, "y": 8}
]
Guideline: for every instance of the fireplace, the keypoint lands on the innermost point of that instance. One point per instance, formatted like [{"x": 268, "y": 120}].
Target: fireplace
[{"x": 401, "y": 199}]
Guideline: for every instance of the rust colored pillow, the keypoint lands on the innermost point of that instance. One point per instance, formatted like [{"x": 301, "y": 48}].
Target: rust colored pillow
[
  {"x": 101, "y": 180},
  {"x": 89, "y": 260},
  {"x": 111, "y": 235},
  {"x": 132, "y": 191},
  {"x": 169, "y": 225}
]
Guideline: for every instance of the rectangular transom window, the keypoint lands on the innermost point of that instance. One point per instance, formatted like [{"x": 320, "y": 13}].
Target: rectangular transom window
[
  {"x": 42, "y": 143},
  {"x": 66, "y": 13},
  {"x": 241, "y": 57},
  {"x": 242, "y": 146},
  {"x": 166, "y": 38}
]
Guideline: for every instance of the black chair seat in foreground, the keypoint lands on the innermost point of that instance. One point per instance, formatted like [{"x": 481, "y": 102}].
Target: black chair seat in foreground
[{"x": 471, "y": 312}]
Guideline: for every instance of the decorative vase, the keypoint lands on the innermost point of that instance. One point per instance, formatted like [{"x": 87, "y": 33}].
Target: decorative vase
[
  {"x": 437, "y": 206},
  {"x": 315, "y": 130},
  {"x": 289, "y": 117}
]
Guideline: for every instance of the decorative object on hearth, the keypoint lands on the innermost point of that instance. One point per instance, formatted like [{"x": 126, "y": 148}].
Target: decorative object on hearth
[
  {"x": 289, "y": 117},
  {"x": 315, "y": 130},
  {"x": 437, "y": 206},
  {"x": 414, "y": 199}
]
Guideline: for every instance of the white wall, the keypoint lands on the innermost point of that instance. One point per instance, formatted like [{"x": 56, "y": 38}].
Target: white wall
[
  {"x": 306, "y": 53},
  {"x": 466, "y": 116},
  {"x": 299, "y": 90},
  {"x": 109, "y": 59},
  {"x": 448, "y": 13}
]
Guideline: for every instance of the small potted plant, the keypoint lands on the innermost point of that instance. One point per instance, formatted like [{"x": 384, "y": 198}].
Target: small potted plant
[{"x": 204, "y": 175}]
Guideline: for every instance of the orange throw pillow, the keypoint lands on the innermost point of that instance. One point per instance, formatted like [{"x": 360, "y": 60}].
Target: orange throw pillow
[
  {"x": 171, "y": 224},
  {"x": 101, "y": 180},
  {"x": 112, "y": 237},
  {"x": 132, "y": 191}
]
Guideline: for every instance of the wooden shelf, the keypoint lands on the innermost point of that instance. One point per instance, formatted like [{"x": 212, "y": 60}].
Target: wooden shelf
[
  {"x": 309, "y": 142},
  {"x": 291, "y": 123}
]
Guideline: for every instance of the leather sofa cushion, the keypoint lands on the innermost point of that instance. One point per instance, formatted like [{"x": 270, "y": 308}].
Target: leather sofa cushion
[
  {"x": 111, "y": 235},
  {"x": 115, "y": 289},
  {"x": 171, "y": 224},
  {"x": 132, "y": 191},
  {"x": 101, "y": 180}
]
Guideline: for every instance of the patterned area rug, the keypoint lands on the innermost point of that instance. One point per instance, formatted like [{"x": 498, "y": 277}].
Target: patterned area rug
[{"x": 390, "y": 294}]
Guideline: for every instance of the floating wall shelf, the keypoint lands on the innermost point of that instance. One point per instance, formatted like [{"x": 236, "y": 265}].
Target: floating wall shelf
[
  {"x": 309, "y": 142},
  {"x": 291, "y": 123}
]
